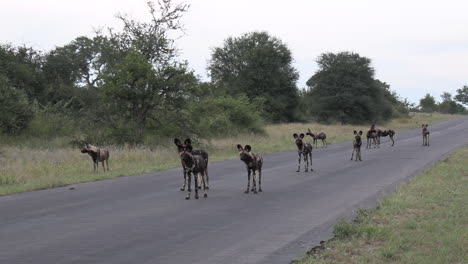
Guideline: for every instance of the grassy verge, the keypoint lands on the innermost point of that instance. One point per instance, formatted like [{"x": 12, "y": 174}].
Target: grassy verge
[
  {"x": 425, "y": 221},
  {"x": 36, "y": 164}
]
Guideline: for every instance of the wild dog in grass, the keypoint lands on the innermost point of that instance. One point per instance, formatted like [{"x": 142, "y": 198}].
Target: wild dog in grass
[
  {"x": 425, "y": 134},
  {"x": 197, "y": 165},
  {"x": 97, "y": 155},
  {"x": 253, "y": 162},
  {"x": 383, "y": 133},
  {"x": 372, "y": 137},
  {"x": 357, "y": 142},
  {"x": 204, "y": 154},
  {"x": 303, "y": 149},
  {"x": 322, "y": 136}
]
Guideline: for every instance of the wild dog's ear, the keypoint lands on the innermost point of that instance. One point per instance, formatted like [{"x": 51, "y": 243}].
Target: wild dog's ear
[
  {"x": 301, "y": 135},
  {"x": 355, "y": 132},
  {"x": 422, "y": 125},
  {"x": 360, "y": 132},
  {"x": 248, "y": 148},
  {"x": 188, "y": 142},
  {"x": 427, "y": 125},
  {"x": 295, "y": 136},
  {"x": 177, "y": 142},
  {"x": 309, "y": 132},
  {"x": 239, "y": 147}
]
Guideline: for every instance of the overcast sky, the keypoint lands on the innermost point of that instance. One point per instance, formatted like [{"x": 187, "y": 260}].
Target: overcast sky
[{"x": 417, "y": 47}]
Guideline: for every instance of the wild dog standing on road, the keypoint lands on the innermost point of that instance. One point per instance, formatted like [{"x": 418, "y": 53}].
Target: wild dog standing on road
[
  {"x": 372, "y": 137},
  {"x": 383, "y": 133},
  {"x": 303, "y": 149},
  {"x": 204, "y": 154},
  {"x": 425, "y": 134},
  {"x": 322, "y": 136},
  {"x": 98, "y": 155},
  {"x": 197, "y": 165},
  {"x": 357, "y": 142},
  {"x": 253, "y": 162}
]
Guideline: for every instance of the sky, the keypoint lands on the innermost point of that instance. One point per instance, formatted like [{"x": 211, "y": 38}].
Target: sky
[{"x": 417, "y": 47}]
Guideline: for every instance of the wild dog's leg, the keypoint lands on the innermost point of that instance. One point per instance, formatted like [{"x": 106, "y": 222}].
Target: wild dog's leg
[
  {"x": 393, "y": 141},
  {"x": 427, "y": 139},
  {"x": 306, "y": 162},
  {"x": 189, "y": 187},
  {"x": 205, "y": 187},
  {"x": 207, "y": 179},
  {"x": 260, "y": 180},
  {"x": 185, "y": 177},
  {"x": 248, "y": 181},
  {"x": 107, "y": 164},
  {"x": 311, "y": 169},
  {"x": 199, "y": 180},
  {"x": 359, "y": 152},
  {"x": 299, "y": 167},
  {"x": 325, "y": 140},
  {"x": 196, "y": 177},
  {"x": 254, "y": 182},
  {"x": 352, "y": 154}
]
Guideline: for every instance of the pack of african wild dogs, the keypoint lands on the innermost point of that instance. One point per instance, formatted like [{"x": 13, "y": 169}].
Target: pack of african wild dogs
[{"x": 195, "y": 161}]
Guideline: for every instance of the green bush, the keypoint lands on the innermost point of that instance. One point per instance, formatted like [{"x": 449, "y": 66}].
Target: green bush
[
  {"x": 226, "y": 115},
  {"x": 15, "y": 110}
]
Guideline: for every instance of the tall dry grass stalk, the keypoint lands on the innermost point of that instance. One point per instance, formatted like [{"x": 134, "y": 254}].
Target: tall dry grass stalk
[{"x": 26, "y": 168}]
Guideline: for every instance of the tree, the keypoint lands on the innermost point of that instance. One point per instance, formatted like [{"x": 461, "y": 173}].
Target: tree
[
  {"x": 146, "y": 81},
  {"x": 139, "y": 92},
  {"x": 344, "y": 89},
  {"x": 15, "y": 110},
  {"x": 428, "y": 104},
  {"x": 462, "y": 95},
  {"x": 22, "y": 66},
  {"x": 257, "y": 65},
  {"x": 449, "y": 106}
]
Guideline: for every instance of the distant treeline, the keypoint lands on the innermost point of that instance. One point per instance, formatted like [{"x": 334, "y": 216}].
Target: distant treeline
[{"x": 130, "y": 86}]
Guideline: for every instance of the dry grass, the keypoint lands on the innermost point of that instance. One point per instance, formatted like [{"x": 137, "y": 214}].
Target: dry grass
[
  {"x": 425, "y": 221},
  {"x": 31, "y": 168}
]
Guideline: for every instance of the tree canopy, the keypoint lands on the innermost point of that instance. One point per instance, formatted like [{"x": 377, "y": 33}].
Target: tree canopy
[
  {"x": 258, "y": 65},
  {"x": 344, "y": 89}
]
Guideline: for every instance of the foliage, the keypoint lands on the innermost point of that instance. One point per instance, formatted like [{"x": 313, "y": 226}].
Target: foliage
[
  {"x": 22, "y": 66},
  {"x": 15, "y": 110},
  {"x": 428, "y": 104},
  {"x": 138, "y": 92},
  {"x": 462, "y": 95},
  {"x": 448, "y": 106},
  {"x": 258, "y": 65},
  {"x": 344, "y": 90},
  {"x": 227, "y": 115}
]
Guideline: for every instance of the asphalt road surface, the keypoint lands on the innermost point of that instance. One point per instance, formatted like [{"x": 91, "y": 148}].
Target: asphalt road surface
[{"x": 145, "y": 218}]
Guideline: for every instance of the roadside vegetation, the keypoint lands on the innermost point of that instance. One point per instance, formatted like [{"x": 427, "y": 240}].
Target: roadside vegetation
[{"x": 425, "y": 221}]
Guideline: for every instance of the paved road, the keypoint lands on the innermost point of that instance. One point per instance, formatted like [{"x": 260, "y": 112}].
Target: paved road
[{"x": 145, "y": 219}]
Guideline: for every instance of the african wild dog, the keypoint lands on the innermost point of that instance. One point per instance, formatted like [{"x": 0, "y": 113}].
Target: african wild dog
[
  {"x": 197, "y": 165},
  {"x": 322, "y": 136},
  {"x": 425, "y": 134},
  {"x": 303, "y": 149},
  {"x": 204, "y": 154},
  {"x": 98, "y": 155},
  {"x": 383, "y": 133},
  {"x": 372, "y": 138},
  {"x": 357, "y": 142},
  {"x": 253, "y": 162}
]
